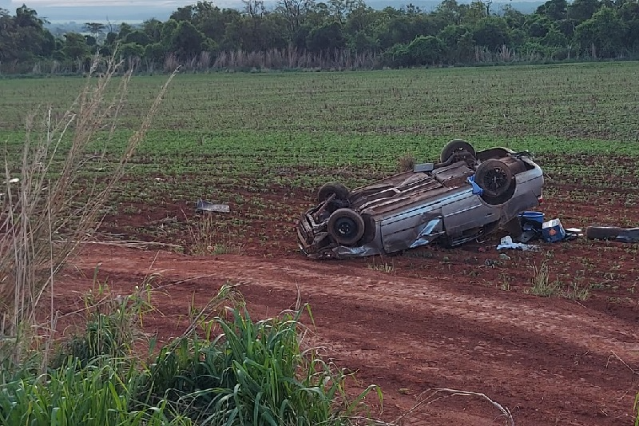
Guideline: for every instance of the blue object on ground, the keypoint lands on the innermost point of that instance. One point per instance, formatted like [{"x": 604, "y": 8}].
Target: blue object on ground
[
  {"x": 532, "y": 216},
  {"x": 552, "y": 231}
]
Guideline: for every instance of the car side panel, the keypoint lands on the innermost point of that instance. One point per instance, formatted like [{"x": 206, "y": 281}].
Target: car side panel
[
  {"x": 412, "y": 227},
  {"x": 468, "y": 211}
]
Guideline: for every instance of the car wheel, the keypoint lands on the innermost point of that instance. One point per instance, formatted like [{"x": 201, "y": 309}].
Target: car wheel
[
  {"x": 454, "y": 147},
  {"x": 603, "y": 232},
  {"x": 346, "y": 226},
  {"x": 495, "y": 179},
  {"x": 340, "y": 191}
]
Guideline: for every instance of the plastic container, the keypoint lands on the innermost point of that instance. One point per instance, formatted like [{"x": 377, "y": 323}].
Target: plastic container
[
  {"x": 531, "y": 221},
  {"x": 531, "y": 217},
  {"x": 552, "y": 231}
]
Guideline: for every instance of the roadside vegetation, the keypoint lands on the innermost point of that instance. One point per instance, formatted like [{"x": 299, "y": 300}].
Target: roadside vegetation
[
  {"x": 340, "y": 34},
  {"x": 225, "y": 369}
]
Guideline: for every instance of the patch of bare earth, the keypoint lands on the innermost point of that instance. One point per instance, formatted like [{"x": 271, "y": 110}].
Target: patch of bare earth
[
  {"x": 430, "y": 318},
  {"x": 549, "y": 360}
]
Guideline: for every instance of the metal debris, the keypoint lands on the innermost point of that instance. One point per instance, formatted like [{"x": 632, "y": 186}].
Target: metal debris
[{"x": 207, "y": 206}]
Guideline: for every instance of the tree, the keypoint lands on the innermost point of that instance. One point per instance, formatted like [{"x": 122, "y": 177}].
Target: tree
[
  {"x": 426, "y": 50},
  {"x": 629, "y": 15},
  {"x": 398, "y": 56},
  {"x": 26, "y": 17},
  {"x": 539, "y": 26},
  {"x": 94, "y": 28},
  {"x": 23, "y": 36},
  {"x": 555, "y": 10},
  {"x": 153, "y": 29},
  {"x": 168, "y": 29},
  {"x": 183, "y": 14},
  {"x": 155, "y": 52},
  {"x": 137, "y": 37},
  {"x": 459, "y": 43},
  {"x": 328, "y": 37},
  {"x": 340, "y": 9},
  {"x": 472, "y": 14},
  {"x": 604, "y": 32},
  {"x": 554, "y": 38},
  {"x": 187, "y": 41},
  {"x": 361, "y": 42},
  {"x": 581, "y": 10},
  {"x": 125, "y": 30},
  {"x": 131, "y": 50},
  {"x": 294, "y": 13},
  {"x": 449, "y": 12},
  {"x": 75, "y": 46},
  {"x": 491, "y": 32},
  {"x": 514, "y": 18}
]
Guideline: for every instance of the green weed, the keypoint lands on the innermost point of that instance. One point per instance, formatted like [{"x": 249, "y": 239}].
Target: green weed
[{"x": 541, "y": 285}]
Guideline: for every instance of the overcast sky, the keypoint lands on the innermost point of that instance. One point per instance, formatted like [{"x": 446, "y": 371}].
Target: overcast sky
[{"x": 110, "y": 3}]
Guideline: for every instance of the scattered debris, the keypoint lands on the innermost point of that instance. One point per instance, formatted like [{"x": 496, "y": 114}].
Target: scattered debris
[
  {"x": 533, "y": 227},
  {"x": 531, "y": 223},
  {"x": 624, "y": 235},
  {"x": 207, "y": 206},
  {"x": 552, "y": 231},
  {"x": 507, "y": 243}
]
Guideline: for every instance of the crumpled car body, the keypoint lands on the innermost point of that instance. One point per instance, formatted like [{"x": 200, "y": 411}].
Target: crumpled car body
[{"x": 466, "y": 195}]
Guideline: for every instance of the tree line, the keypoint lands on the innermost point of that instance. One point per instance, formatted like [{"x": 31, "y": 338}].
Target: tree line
[{"x": 336, "y": 33}]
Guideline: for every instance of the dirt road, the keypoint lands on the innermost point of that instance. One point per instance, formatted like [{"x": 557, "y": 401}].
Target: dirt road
[{"x": 550, "y": 361}]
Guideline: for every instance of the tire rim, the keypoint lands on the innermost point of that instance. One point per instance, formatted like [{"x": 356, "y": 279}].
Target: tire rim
[
  {"x": 494, "y": 180},
  {"x": 345, "y": 227}
]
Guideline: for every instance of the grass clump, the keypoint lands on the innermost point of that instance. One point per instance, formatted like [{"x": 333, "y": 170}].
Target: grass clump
[
  {"x": 252, "y": 372},
  {"x": 406, "y": 163},
  {"x": 226, "y": 369},
  {"x": 100, "y": 393},
  {"x": 541, "y": 285},
  {"x": 48, "y": 206},
  {"x": 207, "y": 238}
]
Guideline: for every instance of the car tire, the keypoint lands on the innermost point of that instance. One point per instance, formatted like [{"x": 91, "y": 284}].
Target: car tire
[
  {"x": 496, "y": 180},
  {"x": 346, "y": 226},
  {"x": 456, "y": 146},
  {"x": 340, "y": 191},
  {"x": 603, "y": 232}
]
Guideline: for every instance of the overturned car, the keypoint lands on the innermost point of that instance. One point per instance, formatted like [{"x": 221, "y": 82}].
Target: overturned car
[{"x": 466, "y": 195}]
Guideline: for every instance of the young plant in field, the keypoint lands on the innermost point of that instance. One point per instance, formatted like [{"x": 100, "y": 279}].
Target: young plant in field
[
  {"x": 113, "y": 324},
  {"x": 541, "y": 285}
]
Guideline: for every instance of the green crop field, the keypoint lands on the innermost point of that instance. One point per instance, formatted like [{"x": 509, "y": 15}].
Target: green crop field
[
  {"x": 264, "y": 142},
  {"x": 361, "y": 118},
  {"x": 259, "y": 140}
]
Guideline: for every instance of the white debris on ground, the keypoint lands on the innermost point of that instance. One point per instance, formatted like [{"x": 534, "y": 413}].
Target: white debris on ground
[{"x": 507, "y": 243}]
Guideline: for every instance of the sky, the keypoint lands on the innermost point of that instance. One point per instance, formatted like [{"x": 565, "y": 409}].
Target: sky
[
  {"x": 57, "y": 11},
  {"x": 110, "y": 3}
]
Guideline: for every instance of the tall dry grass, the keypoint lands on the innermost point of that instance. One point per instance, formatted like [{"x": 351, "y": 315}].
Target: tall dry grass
[{"x": 48, "y": 208}]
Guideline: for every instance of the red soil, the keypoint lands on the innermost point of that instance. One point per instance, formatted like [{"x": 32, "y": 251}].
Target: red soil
[{"x": 431, "y": 318}]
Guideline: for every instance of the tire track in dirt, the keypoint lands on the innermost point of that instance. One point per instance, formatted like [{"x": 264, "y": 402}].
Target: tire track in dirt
[
  {"x": 523, "y": 370},
  {"x": 549, "y": 360}
]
